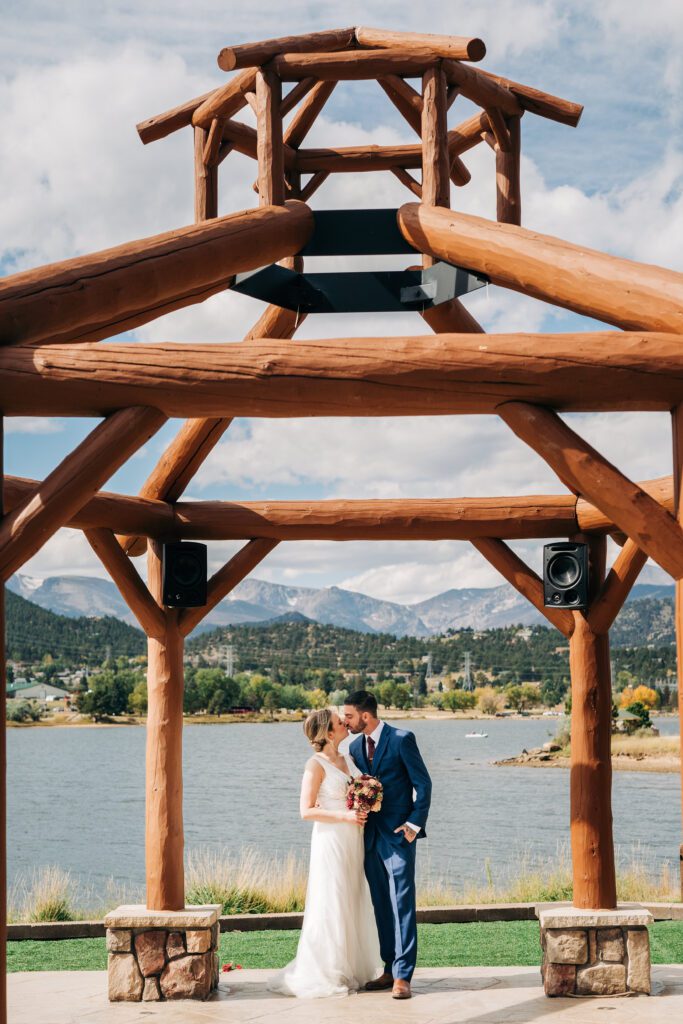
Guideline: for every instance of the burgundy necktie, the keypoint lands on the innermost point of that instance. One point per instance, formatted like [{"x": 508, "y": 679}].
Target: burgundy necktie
[{"x": 371, "y": 749}]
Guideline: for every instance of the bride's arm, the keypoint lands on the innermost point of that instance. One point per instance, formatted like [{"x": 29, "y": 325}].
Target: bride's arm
[{"x": 314, "y": 774}]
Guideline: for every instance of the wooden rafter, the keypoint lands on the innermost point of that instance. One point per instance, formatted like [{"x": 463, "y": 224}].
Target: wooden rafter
[
  {"x": 225, "y": 580},
  {"x": 633, "y": 296},
  {"x": 650, "y": 526},
  {"x": 270, "y": 148},
  {"x": 53, "y": 502},
  {"x": 302, "y": 122},
  {"x": 522, "y": 579},
  {"x": 102, "y": 294},
  {"x": 134, "y": 592}
]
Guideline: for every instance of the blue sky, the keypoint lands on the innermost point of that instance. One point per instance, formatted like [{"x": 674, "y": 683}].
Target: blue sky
[{"x": 75, "y": 79}]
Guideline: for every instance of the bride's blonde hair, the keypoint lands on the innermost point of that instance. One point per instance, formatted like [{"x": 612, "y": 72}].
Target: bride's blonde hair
[{"x": 317, "y": 727}]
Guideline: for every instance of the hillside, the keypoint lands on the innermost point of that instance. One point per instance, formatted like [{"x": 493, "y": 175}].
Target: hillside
[
  {"x": 33, "y": 632},
  {"x": 295, "y": 647}
]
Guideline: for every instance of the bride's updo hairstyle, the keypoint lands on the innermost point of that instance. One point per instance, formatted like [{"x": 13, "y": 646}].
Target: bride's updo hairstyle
[{"x": 317, "y": 728}]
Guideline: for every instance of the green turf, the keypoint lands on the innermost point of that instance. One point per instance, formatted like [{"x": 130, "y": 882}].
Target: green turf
[{"x": 499, "y": 944}]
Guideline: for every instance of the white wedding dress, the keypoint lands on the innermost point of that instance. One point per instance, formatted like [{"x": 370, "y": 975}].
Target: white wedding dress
[{"x": 338, "y": 949}]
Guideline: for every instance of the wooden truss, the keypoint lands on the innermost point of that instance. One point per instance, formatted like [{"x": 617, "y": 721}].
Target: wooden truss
[{"x": 53, "y": 319}]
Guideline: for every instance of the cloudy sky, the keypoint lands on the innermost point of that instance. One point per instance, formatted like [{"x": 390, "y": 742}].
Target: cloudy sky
[{"x": 76, "y": 77}]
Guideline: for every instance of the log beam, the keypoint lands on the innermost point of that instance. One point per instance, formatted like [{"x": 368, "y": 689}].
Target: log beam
[
  {"x": 408, "y": 180},
  {"x": 481, "y": 89},
  {"x": 435, "y": 162},
  {"x": 271, "y": 166},
  {"x": 544, "y": 104},
  {"x": 508, "y": 186},
  {"x": 313, "y": 184},
  {"x": 226, "y": 101},
  {"x": 52, "y": 503},
  {"x": 405, "y": 376},
  {"x": 591, "y": 765},
  {"x": 512, "y": 518},
  {"x": 246, "y": 55},
  {"x": 632, "y": 296},
  {"x": 102, "y": 294},
  {"x": 523, "y": 579},
  {"x": 633, "y": 510},
  {"x": 616, "y": 588},
  {"x": 296, "y": 94},
  {"x": 455, "y": 47},
  {"x": 205, "y": 177},
  {"x": 164, "y": 840},
  {"x": 225, "y": 580},
  {"x": 161, "y": 125},
  {"x": 451, "y": 317},
  {"x": 124, "y": 574},
  {"x": 593, "y": 520},
  {"x": 351, "y": 65}
]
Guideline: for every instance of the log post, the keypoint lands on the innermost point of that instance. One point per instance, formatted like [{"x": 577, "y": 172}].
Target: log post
[
  {"x": 677, "y": 424},
  {"x": 164, "y": 839},
  {"x": 435, "y": 163},
  {"x": 591, "y": 766},
  {"x": 269, "y": 144},
  {"x": 508, "y": 191},
  {"x": 205, "y": 180}
]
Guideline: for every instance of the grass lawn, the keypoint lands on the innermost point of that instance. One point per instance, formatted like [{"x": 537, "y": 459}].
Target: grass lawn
[{"x": 500, "y": 944}]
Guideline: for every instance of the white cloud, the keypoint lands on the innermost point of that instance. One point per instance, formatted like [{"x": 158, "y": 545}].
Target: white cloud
[{"x": 32, "y": 425}]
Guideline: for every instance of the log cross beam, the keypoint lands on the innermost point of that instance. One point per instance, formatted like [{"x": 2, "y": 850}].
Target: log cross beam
[
  {"x": 637, "y": 514},
  {"x": 54, "y": 501}
]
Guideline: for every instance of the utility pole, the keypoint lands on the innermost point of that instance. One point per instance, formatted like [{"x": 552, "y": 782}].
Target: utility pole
[
  {"x": 467, "y": 673},
  {"x": 230, "y": 661}
]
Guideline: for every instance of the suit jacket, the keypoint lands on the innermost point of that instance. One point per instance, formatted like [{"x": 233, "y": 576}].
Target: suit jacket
[{"x": 399, "y": 767}]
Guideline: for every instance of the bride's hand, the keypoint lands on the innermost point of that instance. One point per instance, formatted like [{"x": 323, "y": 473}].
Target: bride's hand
[{"x": 356, "y": 817}]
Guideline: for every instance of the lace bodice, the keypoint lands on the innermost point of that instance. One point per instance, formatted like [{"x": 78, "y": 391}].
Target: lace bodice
[{"x": 333, "y": 788}]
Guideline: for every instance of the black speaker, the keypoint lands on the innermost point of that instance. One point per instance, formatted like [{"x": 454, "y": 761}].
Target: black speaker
[
  {"x": 565, "y": 575},
  {"x": 184, "y": 574}
]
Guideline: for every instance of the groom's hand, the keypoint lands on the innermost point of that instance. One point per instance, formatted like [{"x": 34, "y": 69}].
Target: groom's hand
[{"x": 409, "y": 833}]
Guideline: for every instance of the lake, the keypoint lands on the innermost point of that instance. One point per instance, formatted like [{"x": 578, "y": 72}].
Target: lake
[{"x": 76, "y": 797}]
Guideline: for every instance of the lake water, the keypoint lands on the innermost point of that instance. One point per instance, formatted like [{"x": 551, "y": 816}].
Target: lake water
[{"x": 76, "y": 797}]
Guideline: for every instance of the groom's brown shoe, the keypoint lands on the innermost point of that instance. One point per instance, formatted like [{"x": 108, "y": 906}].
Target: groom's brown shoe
[
  {"x": 381, "y": 984},
  {"x": 401, "y": 989}
]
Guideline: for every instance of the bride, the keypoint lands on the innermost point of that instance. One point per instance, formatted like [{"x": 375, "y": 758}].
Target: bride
[{"x": 338, "y": 950}]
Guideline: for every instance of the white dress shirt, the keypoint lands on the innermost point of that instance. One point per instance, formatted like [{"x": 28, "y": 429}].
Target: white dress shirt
[{"x": 375, "y": 735}]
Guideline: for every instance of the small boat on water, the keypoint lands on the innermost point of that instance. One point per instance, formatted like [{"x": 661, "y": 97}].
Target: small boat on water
[{"x": 476, "y": 735}]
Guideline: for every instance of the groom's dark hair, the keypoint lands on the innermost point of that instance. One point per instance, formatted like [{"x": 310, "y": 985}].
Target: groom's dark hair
[{"x": 363, "y": 701}]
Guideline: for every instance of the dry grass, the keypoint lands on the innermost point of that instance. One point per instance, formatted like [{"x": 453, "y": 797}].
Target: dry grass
[
  {"x": 251, "y": 882},
  {"x": 646, "y": 746}
]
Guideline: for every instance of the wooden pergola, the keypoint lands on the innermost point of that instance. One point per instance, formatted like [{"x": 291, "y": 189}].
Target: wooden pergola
[{"x": 53, "y": 320}]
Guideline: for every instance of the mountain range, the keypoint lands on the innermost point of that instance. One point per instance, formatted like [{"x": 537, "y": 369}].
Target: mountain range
[{"x": 256, "y": 600}]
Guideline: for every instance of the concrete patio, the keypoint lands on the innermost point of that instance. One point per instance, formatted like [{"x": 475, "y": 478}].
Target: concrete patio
[{"x": 442, "y": 995}]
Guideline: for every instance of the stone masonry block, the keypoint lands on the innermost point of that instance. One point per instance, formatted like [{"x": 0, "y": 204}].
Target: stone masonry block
[
  {"x": 601, "y": 980},
  {"x": 566, "y": 946},
  {"x": 611, "y": 945},
  {"x": 125, "y": 980},
  {"x": 150, "y": 948},
  {"x": 558, "y": 979},
  {"x": 119, "y": 940},
  {"x": 175, "y": 945},
  {"x": 188, "y": 977},
  {"x": 638, "y": 948},
  {"x": 198, "y": 941},
  {"x": 151, "y": 992}
]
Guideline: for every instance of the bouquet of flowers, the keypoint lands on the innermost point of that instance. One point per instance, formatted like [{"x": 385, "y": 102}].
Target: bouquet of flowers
[{"x": 364, "y": 794}]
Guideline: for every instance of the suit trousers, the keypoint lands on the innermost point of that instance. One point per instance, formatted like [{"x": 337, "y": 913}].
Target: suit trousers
[{"x": 390, "y": 871}]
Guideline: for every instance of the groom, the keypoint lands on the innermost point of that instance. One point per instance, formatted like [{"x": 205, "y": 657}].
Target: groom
[{"x": 391, "y": 755}]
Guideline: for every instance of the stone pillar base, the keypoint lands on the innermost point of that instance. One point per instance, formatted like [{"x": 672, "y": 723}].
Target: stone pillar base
[
  {"x": 595, "y": 952},
  {"x": 162, "y": 954}
]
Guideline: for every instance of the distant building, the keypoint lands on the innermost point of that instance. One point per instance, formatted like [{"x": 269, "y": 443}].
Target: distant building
[{"x": 37, "y": 691}]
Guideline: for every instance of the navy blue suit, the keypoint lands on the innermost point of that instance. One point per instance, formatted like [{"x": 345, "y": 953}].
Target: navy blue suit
[{"x": 389, "y": 857}]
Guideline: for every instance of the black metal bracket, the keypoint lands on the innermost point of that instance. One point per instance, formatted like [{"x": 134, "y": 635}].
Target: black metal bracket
[{"x": 358, "y": 232}]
